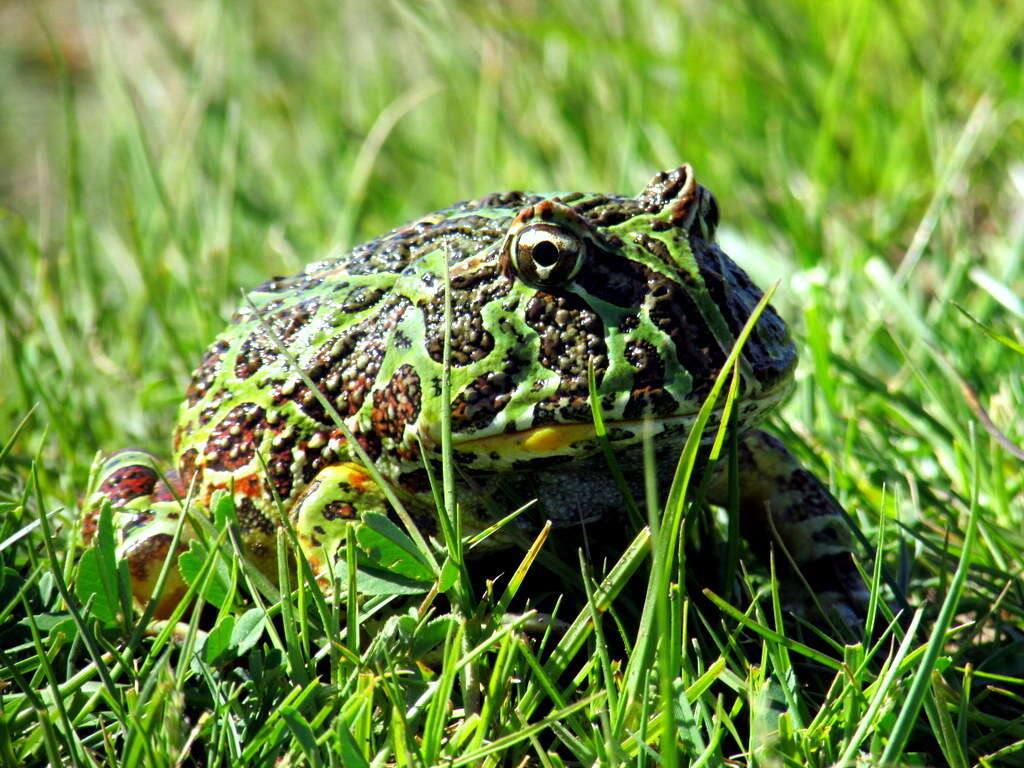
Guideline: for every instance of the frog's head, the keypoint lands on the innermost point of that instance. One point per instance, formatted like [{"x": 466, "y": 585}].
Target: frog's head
[{"x": 635, "y": 289}]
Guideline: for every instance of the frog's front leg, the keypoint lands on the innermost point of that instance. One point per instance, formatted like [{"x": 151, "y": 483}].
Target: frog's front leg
[
  {"x": 337, "y": 496},
  {"x": 778, "y": 495},
  {"x": 145, "y": 513}
]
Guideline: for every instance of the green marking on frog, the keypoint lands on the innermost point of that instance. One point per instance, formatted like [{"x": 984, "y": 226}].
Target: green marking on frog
[{"x": 543, "y": 286}]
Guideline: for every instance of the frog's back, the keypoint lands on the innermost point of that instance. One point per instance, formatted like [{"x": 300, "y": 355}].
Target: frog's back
[{"x": 334, "y": 319}]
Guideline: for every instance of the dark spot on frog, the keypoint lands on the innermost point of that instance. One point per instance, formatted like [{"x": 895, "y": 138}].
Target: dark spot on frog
[
  {"x": 272, "y": 284},
  {"x": 232, "y": 443},
  {"x": 361, "y": 298},
  {"x": 206, "y": 415},
  {"x": 571, "y": 339},
  {"x": 605, "y": 211},
  {"x": 397, "y": 403},
  {"x": 150, "y": 552},
  {"x": 663, "y": 189},
  {"x": 127, "y": 483},
  {"x": 252, "y": 355},
  {"x": 187, "y": 466},
  {"x": 279, "y": 472},
  {"x": 287, "y": 322},
  {"x": 674, "y": 312},
  {"x": 416, "y": 481},
  {"x": 250, "y": 518},
  {"x": 460, "y": 234},
  {"x": 482, "y": 400},
  {"x": 369, "y": 442},
  {"x": 400, "y": 340},
  {"x": 769, "y": 350},
  {"x": 296, "y": 456},
  {"x": 170, "y": 488},
  {"x": 204, "y": 376},
  {"x": 339, "y": 510},
  {"x": 343, "y": 370},
  {"x": 470, "y": 340},
  {"x": 613, "y": 278},
  {"x": 648, "y": 393},
  {"x": 296, "y": 284},
  {"x": 461, "y": 457},
  {"x": 513, "y": 199},
  {"x": 467, "y": 281},
  {"x": 556, "y": 409},
  {"x": 338, "y": 348},
  {"x": 138, "y": 520},
  {"x": 656, "y": 248}
]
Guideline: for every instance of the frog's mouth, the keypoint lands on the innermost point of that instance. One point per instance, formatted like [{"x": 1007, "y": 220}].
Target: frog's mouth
[{"x": 541, "y": 444}]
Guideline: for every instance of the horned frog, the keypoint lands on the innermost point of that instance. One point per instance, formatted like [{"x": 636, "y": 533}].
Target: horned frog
[{"x": 544, "y": 288}]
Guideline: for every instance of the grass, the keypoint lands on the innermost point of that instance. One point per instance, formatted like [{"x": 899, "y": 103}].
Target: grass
[{"x": 868, "y": 154}]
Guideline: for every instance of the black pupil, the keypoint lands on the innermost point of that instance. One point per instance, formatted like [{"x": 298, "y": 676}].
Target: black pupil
[{"x": 545, "y": 254}]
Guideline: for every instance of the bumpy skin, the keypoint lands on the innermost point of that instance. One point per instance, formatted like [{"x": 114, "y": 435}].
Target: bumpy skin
[{"x": 542, "y": 287}]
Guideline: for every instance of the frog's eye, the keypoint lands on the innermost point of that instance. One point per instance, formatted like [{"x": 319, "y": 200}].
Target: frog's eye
[{"x": 546, "y": 256}]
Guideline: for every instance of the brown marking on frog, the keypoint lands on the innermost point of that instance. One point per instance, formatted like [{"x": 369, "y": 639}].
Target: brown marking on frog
[
  {"x": 605, "y": 211},
  {"x": 736, "y": 296},
  {"x": 361, "y": 298},
  {"x": 205, "y": 374},
  {"x": 343, "y": 371},
  {"x": 677, "y": 186},
  {"x": 170, "y": 488},
  {"x": 285, "y": 323},
  {"x": 397, "y": 404},
  {"x": 471, "y": 341},
  {"x": 571, "y": 339},
  {"x": 458, "y": 234},
  {"x": 339, "y": 510},
  {"x": 648, "y": 394},
  {"x": 248, "y": 485},
  {"x": 480, "y": 401},
  {"x": 279, "y": 477},
  {"x": 232, "y": 443},
  {"x": 251, "y": 518},
  {"x": 127, "y": 483},
  {"x": 673, "y": 311},
  {"x": 187, "y": 466},
  {"x": 252, "y": 355}
]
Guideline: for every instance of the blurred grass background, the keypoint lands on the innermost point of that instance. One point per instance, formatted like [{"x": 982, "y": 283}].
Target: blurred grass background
[{"x": 157, "y": 158}]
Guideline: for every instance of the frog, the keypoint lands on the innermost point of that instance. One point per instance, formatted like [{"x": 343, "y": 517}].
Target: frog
[{"x": 323, "y": 402}]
